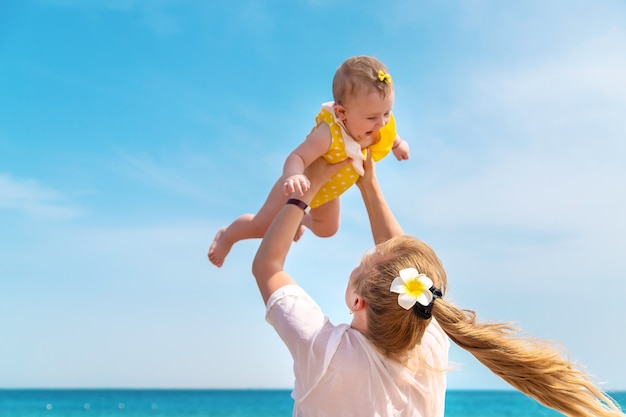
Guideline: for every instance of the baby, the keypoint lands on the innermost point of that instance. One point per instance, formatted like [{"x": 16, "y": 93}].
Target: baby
[{"x": 359, "y": 120}]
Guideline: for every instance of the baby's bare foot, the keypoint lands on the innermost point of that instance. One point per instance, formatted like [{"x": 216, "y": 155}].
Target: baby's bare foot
[{"x": 219, "y": 248}]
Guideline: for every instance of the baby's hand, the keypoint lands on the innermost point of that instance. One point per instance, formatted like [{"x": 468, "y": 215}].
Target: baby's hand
[
  {"x": 401, "y": 151},
  {"x": 296, "y": 183}
]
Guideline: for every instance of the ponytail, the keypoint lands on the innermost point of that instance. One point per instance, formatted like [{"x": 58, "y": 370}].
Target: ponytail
[{"x": 532, "y": 366}]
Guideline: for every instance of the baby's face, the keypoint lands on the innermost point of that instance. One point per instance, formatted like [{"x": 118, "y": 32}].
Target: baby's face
[{"x": 365, "y": 113}]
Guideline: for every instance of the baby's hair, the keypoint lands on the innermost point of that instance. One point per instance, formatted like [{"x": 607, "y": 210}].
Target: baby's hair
[
  {"x": 357, "y": 73},
  {"x": 531, "y": 365}
]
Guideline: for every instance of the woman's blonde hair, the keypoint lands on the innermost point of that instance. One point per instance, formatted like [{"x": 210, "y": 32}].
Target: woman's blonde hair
[
  {"x": 532, "y": 366},
  {"x": 357, "y": 74}
]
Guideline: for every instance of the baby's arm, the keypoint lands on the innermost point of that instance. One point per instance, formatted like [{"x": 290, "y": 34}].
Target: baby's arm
[
  {"x": 315, "y": 145},
  {"x": 400, "y": 149}
]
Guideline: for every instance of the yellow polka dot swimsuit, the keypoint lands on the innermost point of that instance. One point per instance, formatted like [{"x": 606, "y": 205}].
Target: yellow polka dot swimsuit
[{"x": 341, "y": 147}]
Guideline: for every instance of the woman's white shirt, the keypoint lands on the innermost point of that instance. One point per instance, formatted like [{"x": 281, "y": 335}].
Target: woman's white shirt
[{"x": 338, "y": 372}]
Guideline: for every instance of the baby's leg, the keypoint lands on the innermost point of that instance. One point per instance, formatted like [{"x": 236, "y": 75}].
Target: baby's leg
[
  {"x": 324, "y": 220},
  {"x": 247, "y": 226}
]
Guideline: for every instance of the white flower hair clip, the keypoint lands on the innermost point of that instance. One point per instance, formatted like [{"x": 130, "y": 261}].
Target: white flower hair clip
[{"x": 415, "y": 291}]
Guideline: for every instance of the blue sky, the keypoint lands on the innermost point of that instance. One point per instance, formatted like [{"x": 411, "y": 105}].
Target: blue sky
[{"x": 130, "y": 131}]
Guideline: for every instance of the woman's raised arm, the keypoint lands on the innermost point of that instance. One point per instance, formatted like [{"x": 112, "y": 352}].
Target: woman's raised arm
[
  {"x": 382, "y": 221},
  {"x": 269, "y": 261}
]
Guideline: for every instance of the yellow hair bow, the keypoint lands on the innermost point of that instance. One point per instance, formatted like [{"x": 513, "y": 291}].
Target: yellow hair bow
[{"x": 384, "y": 76}]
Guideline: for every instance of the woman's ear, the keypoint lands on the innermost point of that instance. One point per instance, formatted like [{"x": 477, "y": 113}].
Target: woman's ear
[{"x": 358, "y": 303}]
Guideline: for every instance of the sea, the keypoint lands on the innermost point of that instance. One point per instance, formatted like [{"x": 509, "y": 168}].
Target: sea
[{"x": 231, "y": 403}]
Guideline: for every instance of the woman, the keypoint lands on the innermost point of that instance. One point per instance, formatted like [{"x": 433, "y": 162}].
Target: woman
[{"x": 391, "y": 360}]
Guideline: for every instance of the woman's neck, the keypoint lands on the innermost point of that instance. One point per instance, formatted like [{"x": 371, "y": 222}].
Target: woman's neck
[{"x": 359, "y": 321}]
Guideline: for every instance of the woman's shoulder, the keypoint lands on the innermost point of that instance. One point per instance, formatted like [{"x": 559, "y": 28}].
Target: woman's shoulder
[{"x": 290, "y": 296}]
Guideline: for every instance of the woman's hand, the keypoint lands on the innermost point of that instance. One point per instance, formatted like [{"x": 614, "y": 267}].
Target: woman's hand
[
  {"x": 382, "y": 221},
  {"x": 320, "y": 172},
  {"x": 369, "y": 176}
]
